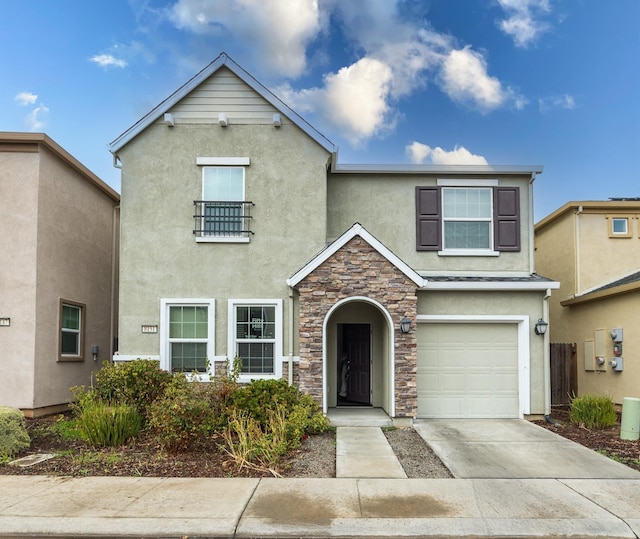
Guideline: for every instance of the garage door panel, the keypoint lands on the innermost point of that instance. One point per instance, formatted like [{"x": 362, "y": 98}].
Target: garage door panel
[{"x": 467, "y": 370}]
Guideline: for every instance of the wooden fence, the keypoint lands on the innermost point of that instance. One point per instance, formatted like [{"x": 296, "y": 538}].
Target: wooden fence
[{"x": 564, "y": 372}]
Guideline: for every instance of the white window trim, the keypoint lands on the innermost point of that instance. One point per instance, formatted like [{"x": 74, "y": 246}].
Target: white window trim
[
  {"x": 452, "y": 182},
  {"x": 165, "y": 354},
  {"x": 223, "y": 161},
  {"x": 80, "y": 332},
  {"x": 626, "y": 233},
  {"x": 490, "y": 251},
  {"x": 231, "y": 336}
]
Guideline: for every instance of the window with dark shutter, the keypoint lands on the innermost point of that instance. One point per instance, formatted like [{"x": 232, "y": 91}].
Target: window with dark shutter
[
  {"x": 506, "y": 218},
  {"x": 428, "y": 219}
]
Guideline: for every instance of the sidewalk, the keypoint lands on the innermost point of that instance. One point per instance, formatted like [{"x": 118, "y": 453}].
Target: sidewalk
[{"x": 175, "y": 507}]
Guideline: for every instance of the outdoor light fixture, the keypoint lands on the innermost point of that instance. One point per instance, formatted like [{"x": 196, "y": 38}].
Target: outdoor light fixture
[
  {"x": 541, "y": 327},
  {"x": 405, "y": 325}
]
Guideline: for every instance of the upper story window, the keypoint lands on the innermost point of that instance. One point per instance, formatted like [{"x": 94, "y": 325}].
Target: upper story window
[
  {"x": 71, "y": 331},
  {"x": 467, "y": 218},
  {"x": 619, "y": 227},
  {"x": 223, "y": 214},
  {"x": 458, "y": 220}
]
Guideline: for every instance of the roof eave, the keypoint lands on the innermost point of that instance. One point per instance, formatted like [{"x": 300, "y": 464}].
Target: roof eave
[{"x": 436, "y": 169}]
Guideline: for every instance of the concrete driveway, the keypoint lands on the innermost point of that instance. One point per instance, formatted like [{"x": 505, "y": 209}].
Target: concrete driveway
[{"x": 513, "y": 449}]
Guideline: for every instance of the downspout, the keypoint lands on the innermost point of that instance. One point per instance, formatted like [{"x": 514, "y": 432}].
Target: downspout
[
  {"x": 547, "y": 359},
  {"x": 577, "y": 284},
  {"x": 291, "y": 329},
  {"x": 532, "y": 267},
  {"x": 114, "y": 280}
]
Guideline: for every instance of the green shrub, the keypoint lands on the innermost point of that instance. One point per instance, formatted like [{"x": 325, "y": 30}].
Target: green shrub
[
  {"x": 304, "y": 418},
  {"x": 13, "y": 432},
  {"x": 261, "y": 396},
  {"x": 184, "y": 415},
  {"x": 138, "y": 383},
  {"x": 593, "y": 411},
  {"x": 103, "y": 424}
]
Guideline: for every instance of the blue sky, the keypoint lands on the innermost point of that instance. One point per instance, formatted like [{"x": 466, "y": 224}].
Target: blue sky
[{"x": 505, "y": 82}]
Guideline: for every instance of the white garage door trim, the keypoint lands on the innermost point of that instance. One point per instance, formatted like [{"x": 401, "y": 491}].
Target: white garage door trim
[{"x": 524, "y": 372}]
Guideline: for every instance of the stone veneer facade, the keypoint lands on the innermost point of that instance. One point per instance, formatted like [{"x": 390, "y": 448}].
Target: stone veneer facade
[{"x": 357, "y": 269}]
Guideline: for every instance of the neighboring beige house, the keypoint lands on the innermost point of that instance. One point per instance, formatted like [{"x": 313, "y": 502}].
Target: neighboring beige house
[
  {"x": 408, "y": 288},
  {"x": 593, "y": 249},
  {"x": 58, "y": 284}
]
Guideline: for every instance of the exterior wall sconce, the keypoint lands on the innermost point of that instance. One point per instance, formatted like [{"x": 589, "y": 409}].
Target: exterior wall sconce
[
  {"x": 405, "y": 325},
  {"x": 5, "y": 321},
  {"x": 541, "y": 327}
]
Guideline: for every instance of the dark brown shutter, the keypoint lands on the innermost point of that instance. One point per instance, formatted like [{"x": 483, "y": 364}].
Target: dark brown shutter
[
  {"x": 428, "y": 219},
  {"x": 506, "y": 218}
]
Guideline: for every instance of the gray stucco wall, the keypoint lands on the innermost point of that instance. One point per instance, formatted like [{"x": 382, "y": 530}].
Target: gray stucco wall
[
  {"x": 160, "y": 257},
  {"x": 385, "y": 205}
]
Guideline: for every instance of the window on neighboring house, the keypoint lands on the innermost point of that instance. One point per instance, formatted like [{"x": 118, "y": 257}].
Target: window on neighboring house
[
  {"x": 187, "y": 334},
  {"x": 71, "y": 331},
  {"x": 467, "y": 220},
  {"x": 619, "y": 227},
  {"x": 256, "y": 338},
  {"x": 223, "y": 214}
]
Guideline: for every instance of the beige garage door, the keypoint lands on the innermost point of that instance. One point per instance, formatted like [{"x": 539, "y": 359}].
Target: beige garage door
[{"x": 467, "y": 370}]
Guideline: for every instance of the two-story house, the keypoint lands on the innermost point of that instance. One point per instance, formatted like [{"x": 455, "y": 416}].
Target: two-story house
[
  {"x": 58, "y": 283},
  {"x": 593, "y": 249},
  {"x": 408, "y": 288}
]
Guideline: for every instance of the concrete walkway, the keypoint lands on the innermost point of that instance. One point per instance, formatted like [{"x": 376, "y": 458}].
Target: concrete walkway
[
  {"x": 365, "y": 452},
  {"x": 112, "y": 507}
]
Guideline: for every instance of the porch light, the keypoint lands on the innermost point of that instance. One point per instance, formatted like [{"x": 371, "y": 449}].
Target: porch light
[
  {"x": 405, "y": 325},
  {"x": 541, "y": 327}
]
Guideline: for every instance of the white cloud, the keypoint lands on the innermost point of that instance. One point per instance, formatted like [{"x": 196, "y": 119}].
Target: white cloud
[
  {"x": 423, "y": 154},
  {"x": 26, "y": 98},
  {"x": 35, "y": 119},
  {"x": 277, "y": 31},
  {"x": 565, "y": 101},
  {"x": 522, "y": 20},
  {"x": 108, "y": 60}
]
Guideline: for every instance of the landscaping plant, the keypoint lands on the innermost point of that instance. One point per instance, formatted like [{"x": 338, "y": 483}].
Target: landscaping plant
[
  {"x": 104, "y": 424},
  {"x": 593, "y": 411},
  {"x": 13, "y": 432}
]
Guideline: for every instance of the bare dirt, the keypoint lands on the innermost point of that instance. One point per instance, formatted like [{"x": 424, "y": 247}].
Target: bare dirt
[{"x": 315, "y": 458}]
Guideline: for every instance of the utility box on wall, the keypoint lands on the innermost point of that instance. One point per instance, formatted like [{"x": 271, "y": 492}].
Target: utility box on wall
[{"x": 601, "y": 348}]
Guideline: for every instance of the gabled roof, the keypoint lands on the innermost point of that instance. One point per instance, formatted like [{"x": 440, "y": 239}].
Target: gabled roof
[
  {"x": 19, "y": 139},
  {"x": 193, "y": 83},
  {"x": 356, "y": 230}
]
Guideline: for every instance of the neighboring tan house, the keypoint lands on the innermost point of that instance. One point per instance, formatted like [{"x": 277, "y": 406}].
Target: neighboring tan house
[
  {"x": 58, "y": 284},
  {"x": 593, "y": 249},
  {"x": 242, "y": 236}
]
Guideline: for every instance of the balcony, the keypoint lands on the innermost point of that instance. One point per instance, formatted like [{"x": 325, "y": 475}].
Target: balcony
[{"x": 222, "y": 221}]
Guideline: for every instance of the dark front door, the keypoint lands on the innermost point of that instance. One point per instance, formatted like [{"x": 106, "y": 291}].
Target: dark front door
[{"x": 356, "y": 345}]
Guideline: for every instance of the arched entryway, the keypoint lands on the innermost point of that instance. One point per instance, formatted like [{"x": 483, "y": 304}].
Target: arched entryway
[{"x": 358, "y": 355}]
